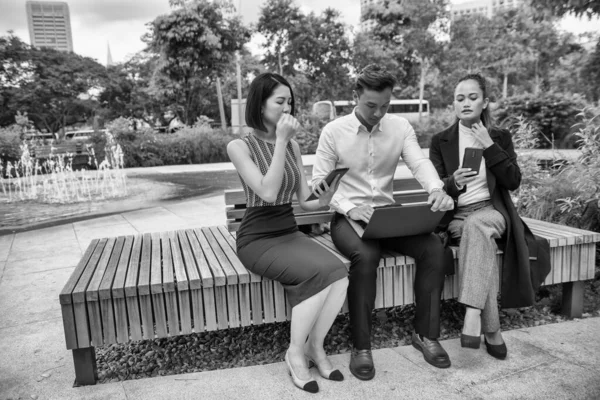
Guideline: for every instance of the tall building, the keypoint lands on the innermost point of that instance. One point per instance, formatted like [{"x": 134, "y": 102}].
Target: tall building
[
  {"x": 49, "y": 24},
  {"x": 484, "y": 7}
]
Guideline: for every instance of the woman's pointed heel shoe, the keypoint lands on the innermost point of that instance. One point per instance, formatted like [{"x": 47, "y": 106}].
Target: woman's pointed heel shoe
[
  {"x": 310, "y": 385},
  {"x": 331, "y": 374},
  {"x": 498, "y": 351},
  {"x": 472, "y": 342}
]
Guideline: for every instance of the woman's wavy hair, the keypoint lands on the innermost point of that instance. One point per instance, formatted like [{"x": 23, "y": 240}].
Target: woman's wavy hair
[{"x": 486, "y": 114}]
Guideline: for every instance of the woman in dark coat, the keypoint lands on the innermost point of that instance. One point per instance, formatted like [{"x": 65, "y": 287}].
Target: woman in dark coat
[{"x": 485, "y": 213}]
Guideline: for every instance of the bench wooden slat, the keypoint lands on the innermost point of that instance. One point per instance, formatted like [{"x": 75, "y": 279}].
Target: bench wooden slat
[
  {"x": 156, "y": 286},
  {"x": 220, "y": 276},
  {"x": 91, "y": 294},
  {"x": 583, "y": 235},
  {"x": 66, "y": 301},
  {"x": 118, "y": 292},
  {"x": 67, "y": 290},
  {"x": 180, "y": 250},
  {"x": 230, "y": 238},
  {"x": 131, "y": 297},
  {"x": 205, "y": 276},
  {"x": 109, "y": 328},
  {"x": 211, "y": 261},
  {"x": 169, "y": 286},
  {"x": 193, "y": 273},
  {"x": 144, "y": 287},
  {"x": 221, "y": 259},
  {"x": 233, "y": 300},
  {"x": 220, "y": 233}
]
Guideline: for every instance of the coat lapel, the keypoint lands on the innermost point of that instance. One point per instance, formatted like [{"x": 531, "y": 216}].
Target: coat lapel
[{"x": 449, "y": 148}]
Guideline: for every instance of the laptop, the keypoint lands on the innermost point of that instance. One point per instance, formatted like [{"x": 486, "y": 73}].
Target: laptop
[{"x": 398, "y": 220}]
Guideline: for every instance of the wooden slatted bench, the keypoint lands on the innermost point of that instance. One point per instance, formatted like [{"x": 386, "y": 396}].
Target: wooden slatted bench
[{"x": 173, "y": 283}]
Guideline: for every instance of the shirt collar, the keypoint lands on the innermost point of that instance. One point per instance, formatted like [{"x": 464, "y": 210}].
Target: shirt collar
[{"x": 356, "y": 124}]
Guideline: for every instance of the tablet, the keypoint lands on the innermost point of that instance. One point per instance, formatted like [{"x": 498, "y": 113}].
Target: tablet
[{"x": 329, "y": 179}]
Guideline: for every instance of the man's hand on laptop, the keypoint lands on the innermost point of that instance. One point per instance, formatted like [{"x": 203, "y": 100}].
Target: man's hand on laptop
[
  {"x": 361, "y": 213},
  {"x": 440, "y": 201}
]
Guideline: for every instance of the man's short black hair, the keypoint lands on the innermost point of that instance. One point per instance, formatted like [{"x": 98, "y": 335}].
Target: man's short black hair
[
  {"x": 374, "y": 77},
  {"x": 261, "y": 89}
]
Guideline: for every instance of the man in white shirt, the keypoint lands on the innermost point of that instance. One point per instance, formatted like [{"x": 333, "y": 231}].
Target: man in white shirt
[{"x": 370, "y": 143}]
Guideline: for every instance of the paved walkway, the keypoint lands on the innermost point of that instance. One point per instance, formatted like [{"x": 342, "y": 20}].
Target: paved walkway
[{"x": 559, "y": 361}]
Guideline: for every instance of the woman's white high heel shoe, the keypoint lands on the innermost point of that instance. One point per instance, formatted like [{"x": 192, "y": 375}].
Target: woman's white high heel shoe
[
  {"x": 310, "y": 385},
  {"x": 331, "y": 374}
]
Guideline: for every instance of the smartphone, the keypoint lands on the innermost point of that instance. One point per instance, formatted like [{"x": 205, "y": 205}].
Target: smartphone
[
  {"x": 329, "y": 179},
  {"x": 472, "y": 159}
]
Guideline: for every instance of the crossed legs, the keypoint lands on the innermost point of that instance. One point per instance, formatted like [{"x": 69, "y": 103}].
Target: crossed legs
[{"x": 479, "y": 276}]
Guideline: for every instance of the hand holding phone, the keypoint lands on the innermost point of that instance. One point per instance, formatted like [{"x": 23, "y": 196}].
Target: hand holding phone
[
  {"x": 329, "y": 179},
  {"x": 472, "y": 159}
]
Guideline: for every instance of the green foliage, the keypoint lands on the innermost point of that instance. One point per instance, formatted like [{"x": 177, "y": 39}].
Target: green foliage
[
  {"x": 570, "y": 195},
  {"x": 586, "y": 8},
  {"x": 551, "y": 114},
  {"x": 437, "y": 121},
  {"x": 50, "y": 85},
  {"x": 590, "y": 75},
  {"x": 197, "y": 144},
  {"x": 10, "y": 142},
  {"x": 311, "y": 50},
  {"x": 196, "y": 43}
]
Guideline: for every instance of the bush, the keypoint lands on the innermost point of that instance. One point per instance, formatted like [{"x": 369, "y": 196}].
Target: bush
[
  {"x": 571, "y": 195},
  {"x": 552, "y": 114},
  {"x": 437, "y": 121},
  {"x": 197, "y": 144},
  {"x": 10, "y": 142}
]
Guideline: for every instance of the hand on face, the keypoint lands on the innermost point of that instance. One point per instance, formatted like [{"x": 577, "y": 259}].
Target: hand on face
[{"x": 286, "y": 128}]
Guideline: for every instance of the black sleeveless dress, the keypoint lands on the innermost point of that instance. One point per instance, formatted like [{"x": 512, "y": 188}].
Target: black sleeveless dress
[{"x": 268, "y": 240}]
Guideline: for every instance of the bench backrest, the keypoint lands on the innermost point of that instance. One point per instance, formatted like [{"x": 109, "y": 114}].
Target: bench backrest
[{"x": 408, "y": 190}]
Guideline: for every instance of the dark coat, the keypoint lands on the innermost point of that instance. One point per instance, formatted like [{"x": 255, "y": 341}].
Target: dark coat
[{"x": 526, "y": 257}]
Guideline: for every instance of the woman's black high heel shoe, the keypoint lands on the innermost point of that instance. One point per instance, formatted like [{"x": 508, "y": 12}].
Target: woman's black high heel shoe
[
  {"x": 472, "y": 342},
  {"x": 498, "y": 351},
  {"x": 310, "y": 385},
  {"x": 331, "y": 374}
]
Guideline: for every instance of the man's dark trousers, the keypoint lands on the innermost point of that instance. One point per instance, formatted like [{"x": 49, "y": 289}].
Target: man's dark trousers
[{"x": 430, "y": 256}]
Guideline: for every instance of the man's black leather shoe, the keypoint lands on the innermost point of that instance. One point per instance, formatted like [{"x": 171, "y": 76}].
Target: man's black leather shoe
[
  {"x": 432, "y": 350},
  {"x": 361, "y": 364}
]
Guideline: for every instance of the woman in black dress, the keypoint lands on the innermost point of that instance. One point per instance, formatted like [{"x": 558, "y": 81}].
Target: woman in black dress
[{"x": 269, "y": 243}]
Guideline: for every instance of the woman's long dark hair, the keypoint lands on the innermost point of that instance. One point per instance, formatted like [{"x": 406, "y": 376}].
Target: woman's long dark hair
[{"x": 486, "y": 115}]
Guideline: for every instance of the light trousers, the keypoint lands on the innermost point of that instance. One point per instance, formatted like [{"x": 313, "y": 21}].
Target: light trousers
[{"x": 478, "y": 226}]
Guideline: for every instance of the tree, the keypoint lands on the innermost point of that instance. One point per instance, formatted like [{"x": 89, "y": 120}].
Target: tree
[
  {"x": 411, "y": 27},
  {"x": 277, "y": 20},
  {"x": 590, "y": 74},
  {"x": 587, "y": 8},
  {"x": 56, "y": 89},
  {"x": 127, "y": 92},
  {"x": 196, "y": 42},
  {"x": 312, "y": 51}
]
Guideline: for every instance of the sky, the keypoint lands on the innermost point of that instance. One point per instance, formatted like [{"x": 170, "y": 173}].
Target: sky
[{"x": 96, "y": 24}]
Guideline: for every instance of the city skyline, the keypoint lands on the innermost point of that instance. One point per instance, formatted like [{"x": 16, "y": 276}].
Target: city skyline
[{"x": 121, "y": 23}]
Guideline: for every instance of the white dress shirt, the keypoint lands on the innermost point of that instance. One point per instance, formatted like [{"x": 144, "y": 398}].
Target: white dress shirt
[
  {"x": 478, "y": 189},
  {"x": 372, "y": 158}
]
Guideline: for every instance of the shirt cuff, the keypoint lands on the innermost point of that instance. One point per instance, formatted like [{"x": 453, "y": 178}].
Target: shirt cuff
[
  {"x": 434, "y": 187},
  {"x": 345, "y": 205}
]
